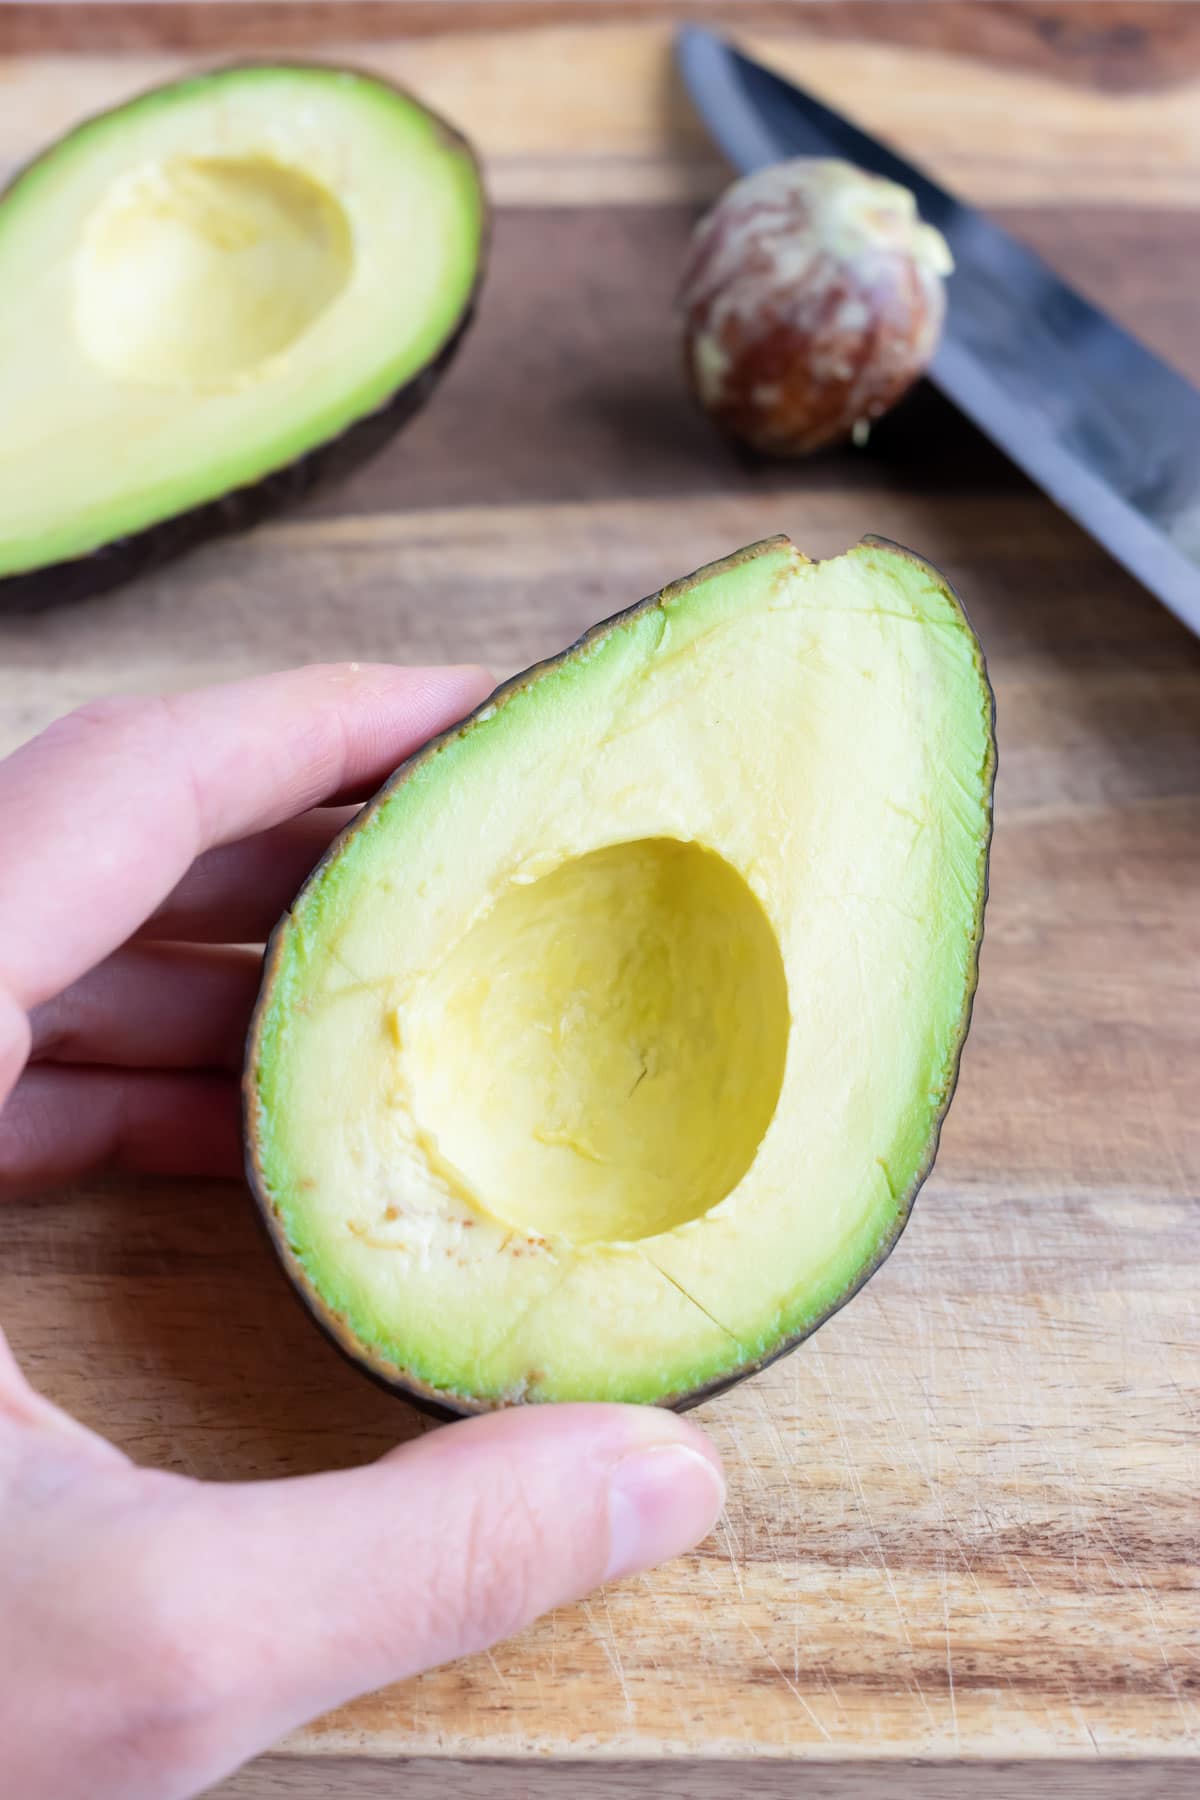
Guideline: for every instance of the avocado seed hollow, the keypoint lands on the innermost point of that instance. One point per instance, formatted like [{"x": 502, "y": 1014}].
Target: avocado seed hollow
[
  {"x": 600, "y": 1055},
  {"x": 194, "y": 272}
]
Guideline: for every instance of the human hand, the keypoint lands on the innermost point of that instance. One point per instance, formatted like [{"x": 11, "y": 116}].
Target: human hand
[{"x": 155, "y": 1631}]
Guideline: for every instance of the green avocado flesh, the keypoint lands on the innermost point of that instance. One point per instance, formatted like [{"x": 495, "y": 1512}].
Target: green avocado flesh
[
  {"x": 202, "y": 286},
  {"x": 603, "y": 1056}
]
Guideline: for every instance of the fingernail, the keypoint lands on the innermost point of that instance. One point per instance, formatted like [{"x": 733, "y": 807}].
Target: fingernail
[{"x": 660, "y": 1502}]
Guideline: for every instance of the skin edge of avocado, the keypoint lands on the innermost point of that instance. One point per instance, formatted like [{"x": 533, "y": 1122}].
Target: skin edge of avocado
[
  {"x": 439, "y": 1403},
  {"x": 119, "y": 560}
]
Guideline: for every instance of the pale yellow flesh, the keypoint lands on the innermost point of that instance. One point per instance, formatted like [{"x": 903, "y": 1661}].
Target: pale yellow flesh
[
  {"x": 625, "y": 1021},
  {"x": 197, "y": 288},
  {"x": 194, "y": 271},
  {"x": 603, "y": 1057}
]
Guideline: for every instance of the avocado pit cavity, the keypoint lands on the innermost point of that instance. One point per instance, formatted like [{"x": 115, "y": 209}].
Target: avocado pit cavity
[
  {"x": 601, "y": 1053},
  {"x": 195, "y": 271}
]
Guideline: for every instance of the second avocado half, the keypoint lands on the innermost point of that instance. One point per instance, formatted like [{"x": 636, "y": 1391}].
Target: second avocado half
[
  {"x": 604, "y": 1055},
  {"x": 211, "y": 298}
]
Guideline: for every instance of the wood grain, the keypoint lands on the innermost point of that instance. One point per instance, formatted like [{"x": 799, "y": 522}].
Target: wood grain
[
  {"x": 572, "y": 114},
  {"x": 964, "y": 1521},
  {"x": 437, "y": 1778},
  {"x": 1119, "y": 45}
]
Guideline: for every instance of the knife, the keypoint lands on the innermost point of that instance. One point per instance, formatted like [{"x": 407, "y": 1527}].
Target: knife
[{"x": 1105, "y": 427}]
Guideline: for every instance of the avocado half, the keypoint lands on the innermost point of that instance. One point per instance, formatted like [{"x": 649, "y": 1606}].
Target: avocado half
[
  {"x": 212, "y": 298},
  {"x": 604, "y": 1054}
]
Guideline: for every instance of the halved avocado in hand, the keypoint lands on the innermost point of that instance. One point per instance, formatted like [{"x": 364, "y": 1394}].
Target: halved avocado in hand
[
  {"x": 605, "y": 1053},
  {"x": 209, "y": 299}
]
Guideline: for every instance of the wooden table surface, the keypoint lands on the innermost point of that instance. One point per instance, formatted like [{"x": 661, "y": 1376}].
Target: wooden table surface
[{"x": 964, "y": 1521}]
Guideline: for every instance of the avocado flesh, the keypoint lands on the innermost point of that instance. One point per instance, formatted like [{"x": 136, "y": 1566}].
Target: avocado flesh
[
  {"x": 201, "y": 287},
  {"x": 604, "y": 1055}
]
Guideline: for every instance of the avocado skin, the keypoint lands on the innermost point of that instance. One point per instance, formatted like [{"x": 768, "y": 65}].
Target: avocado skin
[
  {"x": 437, "y": 1403},
  {"x": 120, "y": 560}
]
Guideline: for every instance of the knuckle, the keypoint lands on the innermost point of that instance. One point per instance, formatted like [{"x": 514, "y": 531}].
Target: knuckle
[
  {"x": 177, "y": 1685},
  {"x": 118, "y": 729},
  {"x": 176, "y": 1682},
  {"x": 114, "y": 715},
  {"x": 163, "y": 1721},
  {"x": 139, "y": 1687},
  {"x": 485, "y": 1592},
  {"x": 137, "y": 733}
]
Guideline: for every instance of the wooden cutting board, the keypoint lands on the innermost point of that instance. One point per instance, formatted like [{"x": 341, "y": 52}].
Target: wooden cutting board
[{"x": 964, "y": 1521}]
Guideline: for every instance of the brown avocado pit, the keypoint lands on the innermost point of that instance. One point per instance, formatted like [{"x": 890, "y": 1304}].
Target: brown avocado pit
[
  {"x": 812, "y": 299},
  {"x": 604, "y": 1055}
]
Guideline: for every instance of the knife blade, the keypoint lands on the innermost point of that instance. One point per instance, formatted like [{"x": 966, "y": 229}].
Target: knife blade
[{"x": 1100, "y": 423}]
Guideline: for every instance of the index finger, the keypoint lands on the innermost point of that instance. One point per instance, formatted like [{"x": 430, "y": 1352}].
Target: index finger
[{"x": 103, "y": 813}]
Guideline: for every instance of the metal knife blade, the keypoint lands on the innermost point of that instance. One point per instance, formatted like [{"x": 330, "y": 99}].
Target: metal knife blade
[{"x": 1105, "y": 427}]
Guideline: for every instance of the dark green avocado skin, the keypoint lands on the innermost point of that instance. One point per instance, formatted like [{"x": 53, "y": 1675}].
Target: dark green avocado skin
[
  {"x": 111, "y": 565},
  {"x": 437, "y": 1403}
]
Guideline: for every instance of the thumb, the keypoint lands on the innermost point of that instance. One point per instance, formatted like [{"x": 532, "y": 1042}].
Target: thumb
[{"x": 310, "y": 1591}]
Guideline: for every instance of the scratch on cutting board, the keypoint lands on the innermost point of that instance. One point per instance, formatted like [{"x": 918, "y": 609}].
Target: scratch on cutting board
[
  {"x": 647, "y": 1588},
  {"x": 733, "y": 1550},
  {"x": 1186, "y": 1399},
  {"x": 553, "y": 1646},
  {"x": 1081, "y": 1719},
  {"x": 1071, "y": 1473},
  {"x": 792, "y": 1465},
  {"x": 936, "y": 1490},
  {"x": 825, "y": 1676},
  {"x": 960, "y": 1548},
  {"x": 1147, "y": 1597},
  {"x": 914, "y": 1685},
  {"x": 1019, "y": 1562},
  {"x": 949, "y": 1658},
  {"x": 868, "y": 1516},
  {"x": 607, "y": 1639},
  {"x": 793, "y": 1492},
  {"x": 932, "y": 1478},
  {"x": 708, "y": 1612},
  {"x": 1166, "y": 1128},
  {"x": 651, "y": 1595},
  {"x": 496, "y": 1669},
  {"x": 1066, "y": 1465},
  {"x": 968, "y": 1384},
  {"x": 790, "y": 1685},
  {"x": 768, "y": 1421}
]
